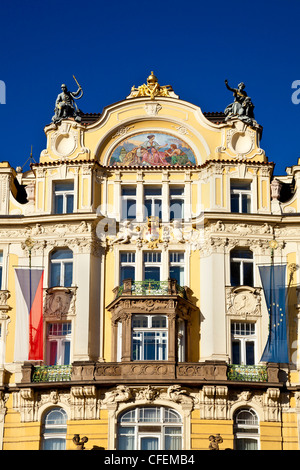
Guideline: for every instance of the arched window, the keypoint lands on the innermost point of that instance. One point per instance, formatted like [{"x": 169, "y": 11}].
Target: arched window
[
  {"x": 241, "y": 267},
  {"x": 61, "y": 268},
  {"x": 150, "y": 428},
  {"x": 246, "y": 429},
  {"x": 54, "y": 429}
]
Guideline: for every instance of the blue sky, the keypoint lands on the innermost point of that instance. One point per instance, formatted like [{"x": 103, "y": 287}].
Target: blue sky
[{"x": 110, "y": 46}]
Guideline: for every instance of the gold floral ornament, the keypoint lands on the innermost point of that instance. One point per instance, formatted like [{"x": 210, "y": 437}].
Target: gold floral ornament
[{"x": 152, "y": 89}]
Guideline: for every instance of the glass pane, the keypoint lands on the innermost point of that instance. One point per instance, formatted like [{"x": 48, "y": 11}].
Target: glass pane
[
  {"x": 54, "y": 444},
  {"x": 152, "y": 191},
  {"x": 241, "y": 253},
  {"x": 250, "y": 353},
  {"x": 67, "y": 345},
  {"x": 235, "y": 273},
  {"x": 176, "y": 209},
  {"x": 59, "y": 204},
  {"x": 55, "y": 274},
  {"x": 246, "y": 203},
  {"x": 159, "y": 321},
  {"x": 149, "y": 415},
  {"x": 150, "y": 352},
  {"x": 53, "y": 353},
  {"x": 126, "y": 442},
  {"x": 64, "y": 186},
  {"x": 157, "y": 208},
  {"x": 176, "y": 191},
  {"x": 128, "y": 191},
  {"x": 148, "y": 208},
  {"x": 241, "y": 185},
  {"x": 70, "y": 199},
  {"x": 127, "y": 272},
  {"x": 248, "y": 274},
  {"x": 235, "y": 203},
  {"x": 246, "y": 444},
  {"x": 1, "y": 256},
  {"x": 177, "y": 272},
  {"x": 236, "y": 356},
  {"x": 173, "y": 440},
  {"x": 68, "y": 274},
  {"x": 152, "y": 272},
  {"x": 62, "y": 254},
  {"x": 149, "y": 443},
  {"x": 128, "y": 209},
  {"x": 0, "y": 277}
]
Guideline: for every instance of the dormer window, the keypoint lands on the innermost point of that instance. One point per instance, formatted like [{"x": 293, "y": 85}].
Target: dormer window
[
  {"x": 240, "y": 196},
  {"x": 63, "y": 197}
]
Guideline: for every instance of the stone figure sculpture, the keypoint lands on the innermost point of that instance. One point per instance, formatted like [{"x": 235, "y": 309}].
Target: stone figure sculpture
[
  {"x": 65, "y": 105},
  {"x": 242, "y": 107}
]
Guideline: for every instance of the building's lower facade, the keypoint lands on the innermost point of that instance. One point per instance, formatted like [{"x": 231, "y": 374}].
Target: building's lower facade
[{"x": 134, "y": 306}]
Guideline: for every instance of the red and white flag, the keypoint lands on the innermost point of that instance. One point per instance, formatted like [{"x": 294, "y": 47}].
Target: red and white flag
[{"x": 29, "y": 314}]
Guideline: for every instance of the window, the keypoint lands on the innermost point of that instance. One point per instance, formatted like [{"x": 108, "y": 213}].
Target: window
[
  {"x": 176, "y": 267},
  {"x": 1, "y": 269},
  {"x": 243, "y": 341},
  {"x": 152, "y": 202},
  {"x": 54, "y": 430},
  {"x": 149, "y": 338},
  {"x": 59, "y": 343},
  {"x": 129, "y": 203},
  {"x": 61, "y": 268},
  {"x": 150, "y": 428},
  {"x": 63, "y": 197},
  {"x": 241, "y": 267},
  {"x": 240, "y": 196},
  {"x": 246, "y": 430},
  {"x": 176, "y": 203},
  {"x": 152, "y": 266},
  {"x": 127, "y": 266}
]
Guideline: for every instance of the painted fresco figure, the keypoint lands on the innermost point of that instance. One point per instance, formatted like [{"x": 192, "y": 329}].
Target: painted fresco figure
[
  {"x": 65, "y": 105},
  {"x": 242, "y": 107}
]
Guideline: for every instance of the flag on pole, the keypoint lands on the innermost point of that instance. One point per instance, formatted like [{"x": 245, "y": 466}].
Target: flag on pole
[
  {"x": 29, "y": 314},
  {"x": 273, "y": 279}
]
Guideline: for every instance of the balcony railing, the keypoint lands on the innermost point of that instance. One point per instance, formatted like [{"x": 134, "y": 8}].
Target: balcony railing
[
  {"x": 52, "y": 374},
  {"x": 245, "y": 373},
  {"x": 150, "y": 287}
]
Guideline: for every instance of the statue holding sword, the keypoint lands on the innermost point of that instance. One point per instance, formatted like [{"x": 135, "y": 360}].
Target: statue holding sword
[{"x": 65, "y": 105}]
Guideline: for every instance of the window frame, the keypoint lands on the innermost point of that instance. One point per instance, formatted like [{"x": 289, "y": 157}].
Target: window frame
[
  {"x": 65, "y": 193},
  {"x": 62, "y": 262},
  {"x": 59, "y": 340},
  {"x": 240, "y": 192},
  {"x": 152, "y": 263},
  {"x": 138, "y": 337},
  {"x": 242, "y": 261},
  {"x": 177, "y": 197},
  {"x": 1, "y": 270},
  {"x": 240, "y": 430},
  {"x": 153, "y": 199},
  {"x": 125, "y": 198},
  {"x": 177, "y": 263},
  {"x": 128, "y": 263},
  {"x": 156, "y": 428},
  {"x": 243, "y": 339},
  {"x": 61, "y": 433}
]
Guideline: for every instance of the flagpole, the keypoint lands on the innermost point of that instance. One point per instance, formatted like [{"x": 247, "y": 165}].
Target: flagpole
[{"x": 30, "y": 243}]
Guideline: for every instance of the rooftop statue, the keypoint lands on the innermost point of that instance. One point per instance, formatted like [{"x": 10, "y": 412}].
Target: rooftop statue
[
  {"x": 152, "y": 89},
  {"x": 242, "y": 107},
  {"x": 65, "y": 105}
]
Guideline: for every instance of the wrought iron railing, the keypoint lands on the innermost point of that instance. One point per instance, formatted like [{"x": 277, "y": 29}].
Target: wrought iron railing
[
  {"x": 255, "y": 373},
  {"x": 52, "y": 373},
  {"x": 151, "y": 287}
]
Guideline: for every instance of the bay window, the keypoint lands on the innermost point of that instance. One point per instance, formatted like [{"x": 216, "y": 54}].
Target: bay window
[{"x": 149, "y": 338}]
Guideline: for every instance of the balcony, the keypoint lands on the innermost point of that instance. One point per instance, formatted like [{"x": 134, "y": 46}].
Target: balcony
[
  {"x": 244, "y": 373},
  {"x": 150, "y": 287},
  {"x": 155, "y": 372}
]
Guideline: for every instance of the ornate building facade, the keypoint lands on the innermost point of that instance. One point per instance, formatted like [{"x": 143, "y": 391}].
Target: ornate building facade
[{"x": 134, "y": 248}]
